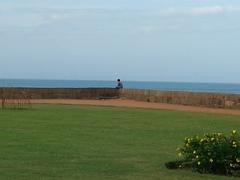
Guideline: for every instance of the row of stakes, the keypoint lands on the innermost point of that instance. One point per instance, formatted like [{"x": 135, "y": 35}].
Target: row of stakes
[{"x": 13, "y": 100}]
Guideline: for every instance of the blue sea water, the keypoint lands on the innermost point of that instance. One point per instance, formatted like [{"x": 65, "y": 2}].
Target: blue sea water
[{"x": 164, "y": 86}]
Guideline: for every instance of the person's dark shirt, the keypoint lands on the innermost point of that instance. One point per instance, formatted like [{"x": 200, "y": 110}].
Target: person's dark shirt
[{"x": 119, "y": 85}]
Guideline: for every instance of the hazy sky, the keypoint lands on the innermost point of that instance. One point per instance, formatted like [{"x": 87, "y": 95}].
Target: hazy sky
[{"x": 153, "y": 40}]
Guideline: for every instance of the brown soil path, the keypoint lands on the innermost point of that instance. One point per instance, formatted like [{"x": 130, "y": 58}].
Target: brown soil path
[{"x": 138, "y": 104}]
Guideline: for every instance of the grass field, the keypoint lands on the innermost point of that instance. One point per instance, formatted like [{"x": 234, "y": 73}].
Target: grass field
[{"x": 87, "y": 142}]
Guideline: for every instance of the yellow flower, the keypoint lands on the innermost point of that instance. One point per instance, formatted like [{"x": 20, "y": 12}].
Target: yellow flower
[
  {"x": 179, "y": 154},
  {"x": 194, "y": 152},
  {"x": 231, "y": 164},
  {"x": 219, "y": 134},
  {"x": 199, "y": 163},
  {"x": 189, "y": 140},
  {"x": 187, "y": 145},
  {"x": 201, "y": 140},
  {"x": 212, "y": 139},
  {"x": 234, "y": 144},
  {"x": 211, "y": 160},
  {"x": 197, "y": 157},
  {"x": 238, "y": 160},
  {"x": 234, "y": 131}
]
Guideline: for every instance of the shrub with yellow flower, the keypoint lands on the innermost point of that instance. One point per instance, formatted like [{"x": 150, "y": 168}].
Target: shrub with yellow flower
[{"x": 212, "y": 153}]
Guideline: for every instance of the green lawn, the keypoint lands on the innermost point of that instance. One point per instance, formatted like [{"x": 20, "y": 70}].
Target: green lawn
[{"x": 87, "y": 142}]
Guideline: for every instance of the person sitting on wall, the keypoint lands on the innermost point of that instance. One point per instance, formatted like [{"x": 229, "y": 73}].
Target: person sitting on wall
[{"x": 119, "y": 84}]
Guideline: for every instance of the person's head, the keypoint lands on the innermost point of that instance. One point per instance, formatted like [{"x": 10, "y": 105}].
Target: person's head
[{"x": 118, "y": 80}]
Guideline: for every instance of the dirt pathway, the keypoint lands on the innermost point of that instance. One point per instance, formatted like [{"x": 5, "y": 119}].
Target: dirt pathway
[{"x": 138, "y": 104}]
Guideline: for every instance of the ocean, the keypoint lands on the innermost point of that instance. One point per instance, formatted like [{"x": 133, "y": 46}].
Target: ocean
[{"x": 164, "y": 86}]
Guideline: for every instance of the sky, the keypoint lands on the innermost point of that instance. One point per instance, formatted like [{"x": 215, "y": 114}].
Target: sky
[{"x": 137, "y": 40}]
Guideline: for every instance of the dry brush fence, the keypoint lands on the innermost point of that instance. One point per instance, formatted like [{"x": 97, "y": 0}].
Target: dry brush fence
[{"x": 213, "y": 100}]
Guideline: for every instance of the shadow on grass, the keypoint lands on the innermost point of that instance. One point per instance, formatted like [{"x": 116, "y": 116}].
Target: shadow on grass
[{"x": 181, "y": 164}]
